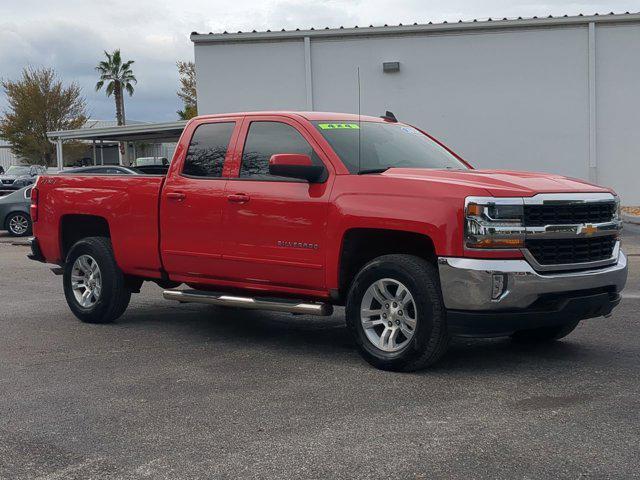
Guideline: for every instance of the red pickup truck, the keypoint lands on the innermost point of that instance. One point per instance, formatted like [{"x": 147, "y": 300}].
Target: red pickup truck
[{"x": 297, "y": 212}]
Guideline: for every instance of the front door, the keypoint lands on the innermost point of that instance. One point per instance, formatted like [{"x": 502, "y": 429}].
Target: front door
[
  {"x": 275, "y": 226},
  {"x": 192, "y": 203}
]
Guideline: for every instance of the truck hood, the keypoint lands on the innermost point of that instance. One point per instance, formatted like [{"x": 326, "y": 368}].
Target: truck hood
[{"x": 500, "y": 183}]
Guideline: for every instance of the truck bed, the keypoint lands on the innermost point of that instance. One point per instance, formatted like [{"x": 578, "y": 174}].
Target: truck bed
[{"x": 128, "y": 203}]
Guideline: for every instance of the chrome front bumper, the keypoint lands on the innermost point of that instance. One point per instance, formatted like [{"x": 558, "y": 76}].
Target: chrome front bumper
[{"x": 469, "y": 284}]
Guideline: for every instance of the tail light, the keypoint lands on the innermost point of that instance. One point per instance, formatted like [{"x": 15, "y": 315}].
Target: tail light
[{"x": 34, "y": 204}]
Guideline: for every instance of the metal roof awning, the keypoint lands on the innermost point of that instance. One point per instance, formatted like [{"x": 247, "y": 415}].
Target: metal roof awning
[
  {"x": 168, "y": 132},
  {"x": 144, "y": 132}
]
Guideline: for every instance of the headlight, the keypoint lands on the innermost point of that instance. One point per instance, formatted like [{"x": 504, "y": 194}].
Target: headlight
[{"x": 494, "y": 222}]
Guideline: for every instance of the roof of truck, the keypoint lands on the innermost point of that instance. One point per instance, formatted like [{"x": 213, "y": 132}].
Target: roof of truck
[{"x": 313, "y": 116}]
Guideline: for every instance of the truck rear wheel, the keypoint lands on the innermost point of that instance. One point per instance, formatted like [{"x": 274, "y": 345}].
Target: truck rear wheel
[
  {"x": 544, "y": 334},
  {"x": 94, "y": 285},
  {"x": 396, "y": 314}
]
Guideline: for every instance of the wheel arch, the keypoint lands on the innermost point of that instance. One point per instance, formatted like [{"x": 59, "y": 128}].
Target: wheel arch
[
  {"x": 361, "y": 245},
  {"x": 74, "y": 227}
]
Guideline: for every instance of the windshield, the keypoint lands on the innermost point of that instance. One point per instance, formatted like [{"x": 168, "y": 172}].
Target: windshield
[
  {"x": 385, "y": 145},
  {"x": 17, "y": 170}
]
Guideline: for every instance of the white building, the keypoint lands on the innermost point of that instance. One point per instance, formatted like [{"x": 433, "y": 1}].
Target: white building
[
  {"x": 7, "y": 157},
  {"x": 546, "y": 94}
]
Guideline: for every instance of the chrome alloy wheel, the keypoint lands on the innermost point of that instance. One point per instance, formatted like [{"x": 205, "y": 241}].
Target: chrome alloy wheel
[
  {"x": 19, "y": 224},
  {"x": 388, "y": 315},
  {"x": 86, "y": 281}
]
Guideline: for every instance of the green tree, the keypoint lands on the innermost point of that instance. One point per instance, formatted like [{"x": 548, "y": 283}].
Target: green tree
[
  {"x": 187, "y": 92},
  {"x": 118, "y": 77},
  {"x": 37, "y": 103}
]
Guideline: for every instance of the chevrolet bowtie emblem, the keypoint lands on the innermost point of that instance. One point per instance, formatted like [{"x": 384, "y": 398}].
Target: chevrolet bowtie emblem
[{"x": 589, "y": 230}]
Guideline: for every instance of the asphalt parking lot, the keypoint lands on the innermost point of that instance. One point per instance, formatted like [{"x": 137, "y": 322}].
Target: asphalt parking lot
[{"x": 192, "y": 392}]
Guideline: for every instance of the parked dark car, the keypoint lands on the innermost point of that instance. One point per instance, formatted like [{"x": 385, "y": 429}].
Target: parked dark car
[
  {"x": 14, "y": 212},
  {"x": 19, "y": 176},
  {"x": 153, "y": 169},
  {"x": 152, "y": 165},
  {"x": 102, "y": 170}
]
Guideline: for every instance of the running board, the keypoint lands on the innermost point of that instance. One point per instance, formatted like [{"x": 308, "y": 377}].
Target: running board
[{"x": 284, "y": 305}]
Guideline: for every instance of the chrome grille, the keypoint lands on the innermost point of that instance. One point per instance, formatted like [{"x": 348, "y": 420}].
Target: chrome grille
[{"x": 568, "y": 213}]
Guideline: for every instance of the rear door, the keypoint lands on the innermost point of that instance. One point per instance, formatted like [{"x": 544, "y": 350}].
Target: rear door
[
  {"x": 193, "y": 200},
  {"x": 275, "y": 226}
]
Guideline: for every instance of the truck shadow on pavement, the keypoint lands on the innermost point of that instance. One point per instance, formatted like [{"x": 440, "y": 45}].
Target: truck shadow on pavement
[{"x": 329, "y": 339}]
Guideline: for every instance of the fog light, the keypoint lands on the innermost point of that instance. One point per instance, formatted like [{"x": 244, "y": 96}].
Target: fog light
[{"x": 498, "y": 285}]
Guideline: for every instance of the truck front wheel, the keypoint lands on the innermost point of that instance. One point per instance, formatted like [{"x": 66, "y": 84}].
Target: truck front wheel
[
  {"x": 396, "y": 314},
  {"x": 94, "y": 285}
]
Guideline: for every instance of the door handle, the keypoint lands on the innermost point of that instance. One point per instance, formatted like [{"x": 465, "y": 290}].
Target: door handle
[
  {"x": 238, "y": 198},
  {"x": 179, "y": 196}
]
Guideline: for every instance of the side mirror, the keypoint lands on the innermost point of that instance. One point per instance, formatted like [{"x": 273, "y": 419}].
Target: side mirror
[{"x": 295, "y": 165}]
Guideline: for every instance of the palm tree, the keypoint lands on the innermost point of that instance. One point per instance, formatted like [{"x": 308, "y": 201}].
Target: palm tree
[{"x": 118, "y": 76}]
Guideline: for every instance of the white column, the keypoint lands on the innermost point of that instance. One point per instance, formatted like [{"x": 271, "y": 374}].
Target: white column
[
  {"x": 95, "y": 158},
  {"x": 59, "y": 158},
  {"x": 120, "y": 156},
  {"x": 307, "y": 72},
  {"x": 593, "y": 154},
  {"x": 101, "y": 152}
]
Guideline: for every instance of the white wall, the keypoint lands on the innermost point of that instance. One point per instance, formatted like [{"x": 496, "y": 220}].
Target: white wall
[
  {"x": 513, "y": 99},
  {"x": 618, "y": 109},
  {"x": 502, "y": 100},
  {"x": 7, "y": 158},
  {"x": 250, "y": 76}
]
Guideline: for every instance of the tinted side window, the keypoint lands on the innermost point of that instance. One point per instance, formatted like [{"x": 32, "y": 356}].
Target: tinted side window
[
  {"x": 269, "y": 138},
  {"x": 208, "y": 147}
]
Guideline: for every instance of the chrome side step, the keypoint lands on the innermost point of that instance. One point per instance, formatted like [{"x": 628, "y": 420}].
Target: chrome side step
[{"x": 284, "y": 305}]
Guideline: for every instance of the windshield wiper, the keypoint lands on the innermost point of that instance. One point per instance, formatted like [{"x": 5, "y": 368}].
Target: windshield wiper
[{"x": 373, "y": 170}]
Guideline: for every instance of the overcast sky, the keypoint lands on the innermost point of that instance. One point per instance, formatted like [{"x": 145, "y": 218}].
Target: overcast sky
[{"x": 70, "y": 35}]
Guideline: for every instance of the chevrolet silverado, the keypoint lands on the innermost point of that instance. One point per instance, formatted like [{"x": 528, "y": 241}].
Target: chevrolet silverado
[{"x": 298, "y": 212}]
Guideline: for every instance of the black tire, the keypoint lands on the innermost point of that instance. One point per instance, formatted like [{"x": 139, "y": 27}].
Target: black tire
[
  {"x": 544, "y": 334},
  {"x": 10, "y": 229},
  {"x": 430, "y": 338},
  {"x": 115, "y": 295}
]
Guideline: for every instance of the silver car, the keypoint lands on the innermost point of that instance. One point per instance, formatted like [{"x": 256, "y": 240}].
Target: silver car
[
  {"x": 14, "y": 212},
  {"x": 19, "y": 176}
]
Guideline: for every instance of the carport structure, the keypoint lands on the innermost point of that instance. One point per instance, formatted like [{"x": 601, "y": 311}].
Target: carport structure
[{"x": 148, "y": 133}]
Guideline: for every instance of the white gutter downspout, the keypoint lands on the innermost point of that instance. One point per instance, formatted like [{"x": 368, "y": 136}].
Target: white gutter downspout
[
  {"x": 593, "y": 154},
  {"x": 59, "y": 154},
  {"x": 307, "y": 73}
]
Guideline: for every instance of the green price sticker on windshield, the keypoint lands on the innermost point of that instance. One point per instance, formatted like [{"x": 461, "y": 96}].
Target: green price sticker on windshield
[{"x": 338, "y": 126}]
